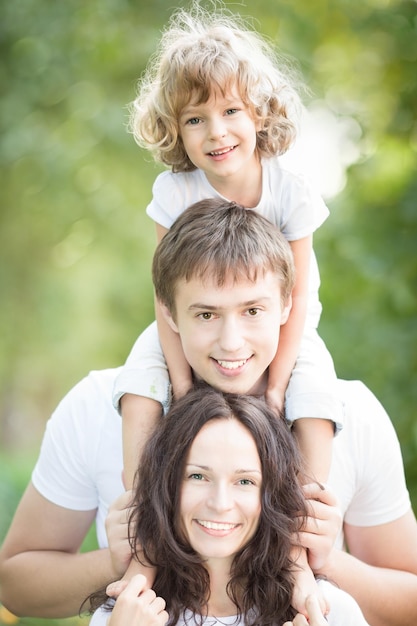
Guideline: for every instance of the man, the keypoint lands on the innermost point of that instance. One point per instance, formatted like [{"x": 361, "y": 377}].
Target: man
[{"x": 225, "y": 308}]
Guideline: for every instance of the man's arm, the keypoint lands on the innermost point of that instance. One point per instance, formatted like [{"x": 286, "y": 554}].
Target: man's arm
[
  {"x": 42, "y": 572},
  {"x": 380, "y": 570}
]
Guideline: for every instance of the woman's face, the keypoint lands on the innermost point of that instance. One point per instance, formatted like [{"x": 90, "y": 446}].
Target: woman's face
[{"x": 221, "y": 490}]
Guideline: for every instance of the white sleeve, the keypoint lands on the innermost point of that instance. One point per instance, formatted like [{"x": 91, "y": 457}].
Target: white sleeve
[
  {"x": 145, "y": 372},
  {"x": 61, "y": 473},
  {"x": 100, "y": 617},
  {"x": 65, "y": 472},
  {"x": 311, "y": 390},
  {"x": 169, "y": 198},
  {"x": 372, "y": 447},
  {"x": 344, "y": 610},
  {"x": 301, "y": 209}
]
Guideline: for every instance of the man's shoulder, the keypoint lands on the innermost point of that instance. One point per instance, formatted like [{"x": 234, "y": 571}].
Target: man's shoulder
[
  {"x": 358, "y": 398},
  {"x": 365, "y": 417},
  {"x": 91, "y": 396}
]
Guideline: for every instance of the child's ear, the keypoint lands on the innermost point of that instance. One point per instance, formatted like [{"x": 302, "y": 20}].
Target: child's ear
[
  {"x": 286, "y": 309},
  {"x": 168, "y": 317},
  {"x": 259, "y": 123}
]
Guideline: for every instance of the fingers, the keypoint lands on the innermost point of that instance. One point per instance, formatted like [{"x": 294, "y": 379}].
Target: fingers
[
  {"x": 113, "y": 590},
  {"x": 137, "y": 604},
  {"x": 321, "y": 493},
  {"x": 314, "y": 612},
  {"x": 324, "y": 514},
  {"x": 122, "y": 505},
  {"x": 315, "y": 615}
]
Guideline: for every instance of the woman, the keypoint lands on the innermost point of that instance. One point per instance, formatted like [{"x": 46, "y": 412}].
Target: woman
[{"x": 216, "y": 512}]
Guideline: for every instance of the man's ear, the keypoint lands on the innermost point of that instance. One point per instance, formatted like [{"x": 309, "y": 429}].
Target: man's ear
[
  {"x": 168, "y": 317},
  {"x": 286, "y": 310}
]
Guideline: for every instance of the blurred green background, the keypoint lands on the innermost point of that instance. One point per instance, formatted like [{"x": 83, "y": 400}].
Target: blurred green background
[{"x": 76, "y": 245}]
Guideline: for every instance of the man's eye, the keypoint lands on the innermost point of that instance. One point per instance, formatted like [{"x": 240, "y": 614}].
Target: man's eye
[
  {"x": 253, "y": 312},
  {"x": 206, "y": 316}
]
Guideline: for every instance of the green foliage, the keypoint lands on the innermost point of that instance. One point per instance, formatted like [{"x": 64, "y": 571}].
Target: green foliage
[{"x": 76, "y": 245}]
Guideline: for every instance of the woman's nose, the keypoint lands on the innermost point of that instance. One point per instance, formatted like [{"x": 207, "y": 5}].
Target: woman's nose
[{"x": 220, "y": 498}]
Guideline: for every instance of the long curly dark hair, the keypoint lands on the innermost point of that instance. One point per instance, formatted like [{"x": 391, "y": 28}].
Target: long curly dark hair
[{"x": 262, "y": 576}]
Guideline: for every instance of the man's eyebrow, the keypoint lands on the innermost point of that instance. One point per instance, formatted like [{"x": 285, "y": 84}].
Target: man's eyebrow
[{"x": 212, "y": 307}]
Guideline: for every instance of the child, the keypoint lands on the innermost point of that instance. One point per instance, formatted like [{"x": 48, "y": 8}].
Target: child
[{"x": 215, "y": 107}]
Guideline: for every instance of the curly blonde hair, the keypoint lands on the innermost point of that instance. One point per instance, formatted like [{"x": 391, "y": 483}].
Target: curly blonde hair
[{"x": 202, "y": 53}]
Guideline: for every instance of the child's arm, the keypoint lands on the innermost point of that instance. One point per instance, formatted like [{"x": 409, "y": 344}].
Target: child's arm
[
  {"x": 178, "y": 367},
  {"x": 314, "y": 435},
  {"x": 291, "y": 332}
]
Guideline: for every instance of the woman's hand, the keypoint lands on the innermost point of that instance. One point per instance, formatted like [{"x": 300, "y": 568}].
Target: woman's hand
[
  {"x": 315, "y": 616},
  {"x": 323, "y": 525},
  {"x": 138, "y": 605}
]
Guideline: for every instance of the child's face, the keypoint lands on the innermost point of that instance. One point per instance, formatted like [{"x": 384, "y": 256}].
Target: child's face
[
  {"x": 219, "y": 136},
  {"x": 230, "y": 334}
]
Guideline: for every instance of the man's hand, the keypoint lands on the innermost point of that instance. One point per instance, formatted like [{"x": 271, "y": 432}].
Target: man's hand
[
  {"x": 117, "y": 524},
  {"x": 323, "y": 524},
  {"x": 315, "y": 616},
  {"x": 139, "y": 605}
]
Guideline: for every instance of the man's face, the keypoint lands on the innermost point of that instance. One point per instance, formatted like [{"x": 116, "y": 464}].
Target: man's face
[{"x": 230, "y": 334}]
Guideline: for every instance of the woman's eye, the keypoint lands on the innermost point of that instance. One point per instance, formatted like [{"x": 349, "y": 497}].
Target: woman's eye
[
  {"x": 196, "y": 476},
  {"x": 245, "y": 481}
]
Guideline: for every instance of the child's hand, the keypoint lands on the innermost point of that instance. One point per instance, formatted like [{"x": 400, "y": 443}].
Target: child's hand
[
  {"x": 275, "y": 399},
  {"x": 138, "y": 605},
  {"x": 314, "y": 615},
  {"x": 181, "y": 388}
]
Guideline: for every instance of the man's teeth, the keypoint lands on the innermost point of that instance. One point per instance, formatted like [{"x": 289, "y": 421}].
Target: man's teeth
[
  {"x": 232, "y": 365},
  {"x": 216, "y": 525}
]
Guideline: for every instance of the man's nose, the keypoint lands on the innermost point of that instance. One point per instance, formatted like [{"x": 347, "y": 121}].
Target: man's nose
[{"x": 231, "y": 337}]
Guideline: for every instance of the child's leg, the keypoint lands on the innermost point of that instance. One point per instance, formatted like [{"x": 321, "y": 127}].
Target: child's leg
[
  {"x": 115, "y": 589},
  {"x": 316, "y": 412},
  {"x": 313, "y": 406},
  {"x": 305, "y": 584},
  {"x": 140, "y": 392}
]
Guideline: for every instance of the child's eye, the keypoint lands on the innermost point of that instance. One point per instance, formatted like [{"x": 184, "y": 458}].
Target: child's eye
[
  {"x": 231, "y": 111},
  {"x": 193, "y": 121}
]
